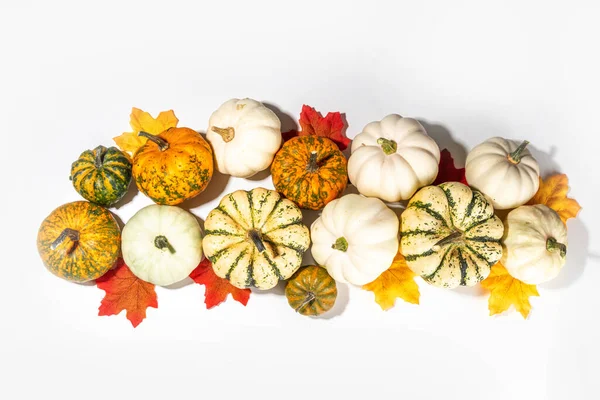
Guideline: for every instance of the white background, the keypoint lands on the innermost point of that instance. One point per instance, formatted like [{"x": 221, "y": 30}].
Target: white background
[{"x": 69, "y": 75}]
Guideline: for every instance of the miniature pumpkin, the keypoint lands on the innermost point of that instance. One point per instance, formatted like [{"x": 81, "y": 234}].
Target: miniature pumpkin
[
  {"x": 255, "y": 238},
  {"x": 162, "y": 244},
  {"x": 79, "y": 241},
  {"x": 450, "y": 235},
  {"x": 311, "y": 291},
  {"x": 310, "y": 171},
  {"x": 245, "y": 135},
  {"x": 355, "y": 238},
  {"x": 504, "y": 170},
  {"x": 173, "y": 166},
  {"x": 102, "y": 175},
  {"x": 535, "y": 244},
  {"x": 392, "y": 158}
]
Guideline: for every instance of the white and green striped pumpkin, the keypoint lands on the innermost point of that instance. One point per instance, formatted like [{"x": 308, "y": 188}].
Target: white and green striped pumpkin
[
  {"x": 450, "y": 235},
  {"x": 255, "y": 238}
]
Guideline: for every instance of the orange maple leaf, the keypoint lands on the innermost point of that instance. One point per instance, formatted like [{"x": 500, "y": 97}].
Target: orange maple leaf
[
  {"x": 506, "y": 291},
  {"x": 143, "y": 121},
  {"x": 313, "y": 123},
  {"x": 553, "y": 193},
  {"x": 216, "y": 289},
  {"x": 396, "y": 281},
  {"x": 125, "y": 291}
]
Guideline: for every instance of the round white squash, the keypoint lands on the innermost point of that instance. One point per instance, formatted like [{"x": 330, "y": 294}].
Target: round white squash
[
  {"x": 535, "y": 244},
  {"x": 244, "y": 135},
  {"x": 355, "y": 238},
  {"x": 504, "y": 170},
  {"x": 392, "y": 158},
  {"x": 162, "y": 244}
]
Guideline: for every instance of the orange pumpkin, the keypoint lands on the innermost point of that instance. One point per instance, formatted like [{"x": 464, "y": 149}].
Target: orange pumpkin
[
  {"x": 173, "y": 166},
  {"x": 311, "y": 291},
  {"x": 79, "y": 241},
  {"x": 310, "y": 170}
]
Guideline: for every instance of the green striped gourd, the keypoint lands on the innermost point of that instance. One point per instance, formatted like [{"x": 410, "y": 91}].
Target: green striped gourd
[
  {"x": 450, "y": 235},
  {"x": 102, "y": 175},
  {"x": 255, "y": 238}
]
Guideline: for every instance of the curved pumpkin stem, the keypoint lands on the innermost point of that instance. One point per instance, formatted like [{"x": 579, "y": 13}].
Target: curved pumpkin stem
[
  {"x": 389, "y": 146},
  {"x": 515, "y": 156},
  {"x": 310, "y": 297},
  {"x": 340, "y": 244},
  {"x": 453, "y": 237},
  {"x": 100, "y": 153},
  {"x": 226, "y": 133},
  {"x": 312, "y": 166},
  {"x": 66, "y": 233},
  {"x": 257, "y": 240},
  {"x": 160, "y": 142},
  {"x": 553, "y": 245},
  {"x": 162, "y": 242}
]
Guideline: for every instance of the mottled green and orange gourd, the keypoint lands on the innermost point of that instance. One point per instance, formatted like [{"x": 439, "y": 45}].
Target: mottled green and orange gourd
[
  {"x": 79, "y": 241},
  {"x": 311, "y": 291},
  {"x": 173, "y": 166}
]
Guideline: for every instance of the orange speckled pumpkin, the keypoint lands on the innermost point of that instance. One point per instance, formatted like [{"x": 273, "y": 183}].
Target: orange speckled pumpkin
[
  {"x": 311, "y": 291},
  {"x": 310, "y": 170},
  {"x": 173, "y": 166},
  {"x": 79, "y": 241}
]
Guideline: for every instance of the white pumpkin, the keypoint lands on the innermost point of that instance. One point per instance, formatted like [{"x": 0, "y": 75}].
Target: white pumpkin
[
  {"x": 162, "y": 244},
  {"x": 504, "y": 170},
  {"x": 244, "y": 135},
  {"x": 392, "y": 158},
  {"x": 355, "y": 238},
  {"x": 535, "y": 244}
]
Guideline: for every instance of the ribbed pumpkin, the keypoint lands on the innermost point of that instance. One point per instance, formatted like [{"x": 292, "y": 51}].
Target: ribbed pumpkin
[
  {"x": 79, "y": 241},
  {"x": 450, "y": 235},
  {"x": 173, "y": 166},
  {"x": 102, "y": 175},
  {"x": 311, "y": 291},
  {"x": 255, "y": 238},
  {"x": 310, "y": 170}
]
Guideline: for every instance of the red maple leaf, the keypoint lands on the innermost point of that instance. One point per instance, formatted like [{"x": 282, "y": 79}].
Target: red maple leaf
[
  {"x": 447, "y": 171},
  {"x": 313, "y": 123},
  {"x": 217, "y": 288},
  {"x": 125, "y": 291}
]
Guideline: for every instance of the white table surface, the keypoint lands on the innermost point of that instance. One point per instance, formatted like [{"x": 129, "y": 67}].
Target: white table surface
[{"x": 70, "y": 74}]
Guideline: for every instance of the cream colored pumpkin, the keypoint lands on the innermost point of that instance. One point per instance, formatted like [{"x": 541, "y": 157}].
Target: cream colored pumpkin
[
  {"x": 450, "y": 235},
  {"x": 162, "y": 244},
  {"x": 535, "y": 244},
  {"x": 504, "y": 170},
  {"x": 392, "y": 158},
  {"x": 255, "y": 238},
  {"x": 355, "y": 238},
  {"x": 244, "y": 135}
]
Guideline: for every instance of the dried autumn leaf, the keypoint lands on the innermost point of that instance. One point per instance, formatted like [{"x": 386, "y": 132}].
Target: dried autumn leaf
[
  {"x": 125, "y": 291},
  {"x": 447, "y": 172},
  {"x": 397, "y": 281},
  {"x": 217, "y": 288},
  {"x": 143, "y": 121},
  {"x": 313, "y": 123},
  {"x": 553, "y": 193},
  {"x": 506, "y": 291}
]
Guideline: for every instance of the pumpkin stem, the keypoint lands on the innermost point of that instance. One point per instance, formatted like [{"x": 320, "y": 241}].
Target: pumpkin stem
[
  {"x": 66, "y": 233},
  {"x": 162, "y": 242},
  {"x": 455, "y": 236},
  {"x": 310, "y": 297},
  {"x": 160, "y": 142},
  {"x": 388, "y": 146},
  {"x": 256, "y": 238},
  {"x": 340, "y": 244},
  {"x": 553, "y": 245},
  {"x": 226, "y": 133},
  {"x": 515, "y": 156},
  {"x": 312, "y": 162},
  {"x": 100, "y": 152}
]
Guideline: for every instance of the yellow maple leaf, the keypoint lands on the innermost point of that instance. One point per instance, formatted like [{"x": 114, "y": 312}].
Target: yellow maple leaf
[
  {"x": 143, "y": 121},
  {"x": 506, "y": 291},
  {"x": 396, "y": 281},
  {"x": 553, "y": 193}
]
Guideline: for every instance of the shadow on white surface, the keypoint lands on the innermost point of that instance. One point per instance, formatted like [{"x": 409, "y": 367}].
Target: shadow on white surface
[
  {"x": 288, "y": 122},
  {"x": 178, "y": 285},
  {"x": 341, "y": 302},
  {"x": 132, "y": 191},
  {"x": 215, "y": 190},
  {"x": 261, "y": 175},
  {"x": 444, "y": 140}
]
